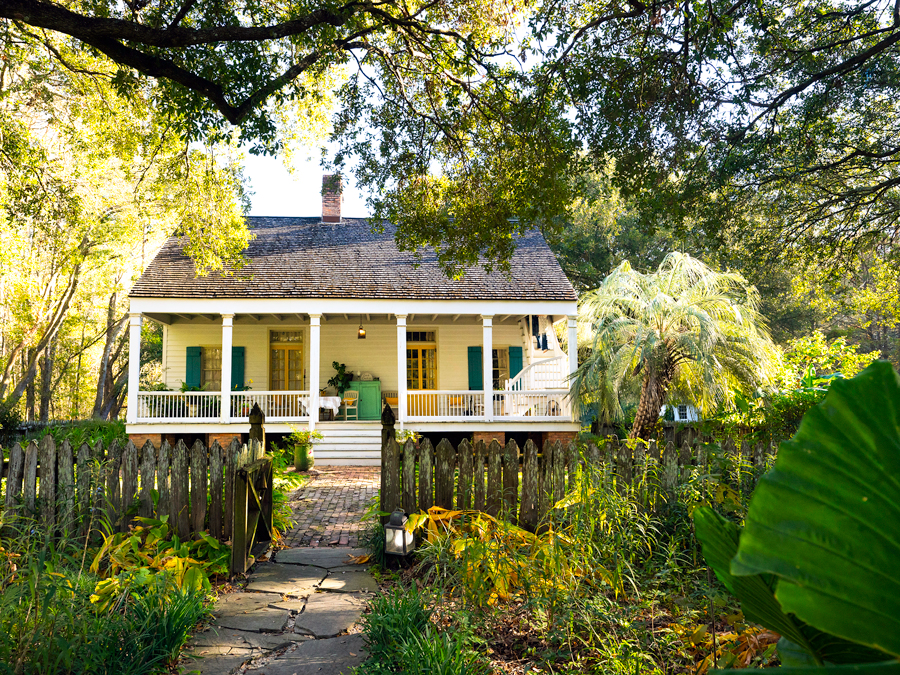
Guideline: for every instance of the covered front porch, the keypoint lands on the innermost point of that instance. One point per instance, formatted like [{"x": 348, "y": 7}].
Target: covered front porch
[{"x": 464, "y": 363}]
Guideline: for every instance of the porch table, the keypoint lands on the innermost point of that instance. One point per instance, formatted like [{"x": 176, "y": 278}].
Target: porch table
[{"x": 332, "y": 403}]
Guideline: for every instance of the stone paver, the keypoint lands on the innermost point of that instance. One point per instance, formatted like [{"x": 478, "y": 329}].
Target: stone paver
[
  {"x": 329, "y": 614},
  {"x": 327, "y": 510},
  {"x": 285, "y": 579},
  {"x": 328, "y": 558},
  {"x": 335, "y": 656},
  {"x": 350, "y": 582}
]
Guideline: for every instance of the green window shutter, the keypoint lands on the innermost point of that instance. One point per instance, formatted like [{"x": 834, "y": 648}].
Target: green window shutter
[
  {"x": 237, "y": 367},
  {"x": 476, "y": 381},
  {"x": 515, "y": 361},
  {"x": 194, "y": 365}
]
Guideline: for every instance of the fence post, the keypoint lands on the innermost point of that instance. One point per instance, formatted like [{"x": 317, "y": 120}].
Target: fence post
[
  {"x": 180, "y": 468},
  {"x": 14, "y": 478},
  {"x": 390, "y": 477},
  {"x": 545, "y": 487},
  {"x": 30, "y": 488},
  {"x": 409, "y": 476},
  {"x": 129, "y": 481},
  {"x": 148, "y": 479},
  {"x": 83, "y": 492},
  {"x": 444, "y": 473},
  {"x": 478, "y": 476},
  {"x": 511, "y": 479},
  {"x": 198, "y": 485},
  {"x": 528, "y": 505},
  {"x": 65, "y": 472},
  {"x": 257, "y": 430},
  {"x": 215, "y": 490},
  {"x": 231, "y": 457},
  {"x": 113, "y": 465},
  {"x": 670, "y": 468},
  {"x": 388, "y": 420},
  {"x": 494, "y": 479},
  {"x": 165, "y": 506},
  {"x": 47, "y": 460},
  {"x": 426, "y": 464},
  {"x": 464, "y": 492}
]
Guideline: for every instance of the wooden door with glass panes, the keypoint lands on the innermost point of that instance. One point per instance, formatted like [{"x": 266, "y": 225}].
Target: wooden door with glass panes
[
  {"x": 421, "y": 365},
  {"x": 286, "y": 371}
]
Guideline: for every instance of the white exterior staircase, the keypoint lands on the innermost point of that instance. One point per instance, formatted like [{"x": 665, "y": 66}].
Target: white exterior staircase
[{"x": 348, "y": 443}]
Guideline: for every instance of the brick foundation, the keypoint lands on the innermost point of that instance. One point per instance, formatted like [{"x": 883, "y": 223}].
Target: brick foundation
[
  {"x": 224, "y": 439},
  {"x": 140, "y": 439},
  {"x": 488, "y": 436},
  {"x": 564, "y": 437}
]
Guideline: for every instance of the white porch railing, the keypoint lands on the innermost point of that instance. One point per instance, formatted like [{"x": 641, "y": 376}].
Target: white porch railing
[
  {"x": 196, "y": 406},
  {"x": 533, "y": 404},
  {"x": 442, "y": 406},
  {"x": 206, "y": 406},
  {"x": 434, "y": 405},
  {"x": 541, "y": 375},
  {"x": 278, "y": 406},
  {"x": 293, "y": 406}
]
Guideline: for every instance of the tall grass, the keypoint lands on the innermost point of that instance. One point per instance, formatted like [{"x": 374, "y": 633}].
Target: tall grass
[
  {"x": 609, "y": 562},
  {"x": 51, "y": 623}
]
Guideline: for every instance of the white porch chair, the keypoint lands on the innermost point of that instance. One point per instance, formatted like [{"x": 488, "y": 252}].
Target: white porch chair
[{"x": 351, "y": 403}]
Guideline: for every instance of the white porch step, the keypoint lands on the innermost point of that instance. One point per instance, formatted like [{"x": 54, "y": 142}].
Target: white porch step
[{"x": 349, "y": 444}]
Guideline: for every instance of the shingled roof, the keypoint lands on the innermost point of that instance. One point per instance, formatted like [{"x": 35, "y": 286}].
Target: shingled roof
[{"x": 306, "y": 258}]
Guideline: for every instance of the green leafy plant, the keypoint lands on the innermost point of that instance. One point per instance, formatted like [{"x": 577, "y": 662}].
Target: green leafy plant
[
  {"x": 302, "y": 441},
  {"x": 816, "y": 559},
  {"x": 341, "y": 380}
]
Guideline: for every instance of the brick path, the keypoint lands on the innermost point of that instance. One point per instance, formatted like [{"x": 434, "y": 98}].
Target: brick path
[{"x": 327, "y": 510}]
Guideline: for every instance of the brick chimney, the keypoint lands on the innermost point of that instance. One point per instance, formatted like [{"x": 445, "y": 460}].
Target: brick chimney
[{"x": 332, "y": 197}]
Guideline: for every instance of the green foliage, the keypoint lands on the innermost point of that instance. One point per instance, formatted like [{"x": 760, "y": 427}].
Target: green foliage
[
  {"x": 684, "y": 330},
  {"x": 10, "y": 417},
  {"x": 401, "y": 638},
  {"x": 815, "y": 355},
  {"x": 50, "y": 623},
  {"x": 134, "y": 558},
  {"x": 89, "y": 431},
  {"x": 790, "y": 568},
  {"x": 341, "y": 379}
]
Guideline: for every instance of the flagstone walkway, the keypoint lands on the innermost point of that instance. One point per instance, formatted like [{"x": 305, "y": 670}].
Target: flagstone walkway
[
  {"x": 297, "y": 616},
  {"x": 299, "y": 611}
]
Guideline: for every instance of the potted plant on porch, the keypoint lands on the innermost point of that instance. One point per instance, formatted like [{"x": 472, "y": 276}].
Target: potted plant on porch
[
  {"x": 341, "y": 380},
  {"x": 302, "y": 440}
]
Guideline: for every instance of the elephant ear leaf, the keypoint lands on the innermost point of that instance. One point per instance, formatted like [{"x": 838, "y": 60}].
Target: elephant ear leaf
[
  {"x": 800, "y": 643},
  {"x": 826, "y": 519},
  {"x": 755, "y": 592}
]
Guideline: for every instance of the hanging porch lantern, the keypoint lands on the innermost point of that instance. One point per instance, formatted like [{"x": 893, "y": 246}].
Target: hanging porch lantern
[
  {"x": 361, "y": 333},
  {"x": 397, "y": 540}
]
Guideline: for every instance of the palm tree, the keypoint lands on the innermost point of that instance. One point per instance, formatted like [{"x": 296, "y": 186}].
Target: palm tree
[{"x": 684, "y": 330}]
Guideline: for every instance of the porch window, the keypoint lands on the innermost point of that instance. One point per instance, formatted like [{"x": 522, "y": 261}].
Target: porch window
[
  {"x": 421, "y": 360},
  {"x": 286, "y": 372},
  {"x": 211, "y": 378},
  {"x": 500, "y": 372}
]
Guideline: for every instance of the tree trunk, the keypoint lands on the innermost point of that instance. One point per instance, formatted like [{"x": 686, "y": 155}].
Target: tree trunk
[
  {"x": 105, "y": 378},
  {"x": 47, "y": 380},
  {"x": 28, "y": 379},
  {"x": 653, "y": 394}
]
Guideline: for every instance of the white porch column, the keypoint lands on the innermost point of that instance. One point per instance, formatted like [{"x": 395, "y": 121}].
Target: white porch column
[
  {"x": 315, "y": 328},
  {"x": 487, "y": 369},
  {"x": 134, "y": 366},
  {"x": 573, "y": 344},
  {"x": 401, "y": 369},
  {"x": 227, "y": 341}
]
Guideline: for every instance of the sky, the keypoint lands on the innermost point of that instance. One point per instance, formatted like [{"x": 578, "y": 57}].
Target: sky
[{"x": 278, "y": 193}]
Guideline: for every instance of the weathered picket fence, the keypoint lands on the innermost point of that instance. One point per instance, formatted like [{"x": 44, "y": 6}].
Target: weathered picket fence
[
  {"x": 96, "y": 488},
  {"x": 523, "y": 485}
]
